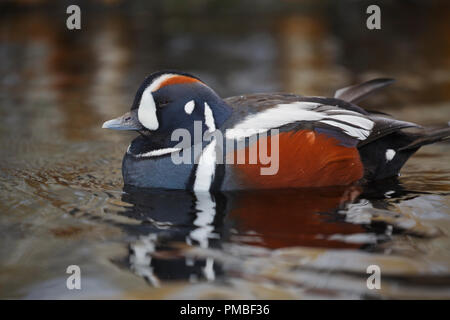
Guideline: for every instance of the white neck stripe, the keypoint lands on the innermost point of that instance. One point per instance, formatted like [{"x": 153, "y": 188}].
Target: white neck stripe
[
  {"x": 209, "y": 119},
  {"x": 154, "y": 153},
  {"x": 206, "y": 168}
]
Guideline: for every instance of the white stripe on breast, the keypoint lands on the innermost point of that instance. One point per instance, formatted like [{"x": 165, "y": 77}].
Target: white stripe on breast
[{"x": 206, "y": 167}]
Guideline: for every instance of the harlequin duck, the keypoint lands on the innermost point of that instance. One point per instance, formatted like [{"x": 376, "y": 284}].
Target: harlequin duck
[{"x": 312, "y": 141}]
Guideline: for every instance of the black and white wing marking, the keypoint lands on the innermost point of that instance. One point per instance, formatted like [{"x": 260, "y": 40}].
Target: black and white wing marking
[
  {"x": 352, "y": 123},
  {"x": 341, "y": 119},
  {"x": 385, "y": 126}
]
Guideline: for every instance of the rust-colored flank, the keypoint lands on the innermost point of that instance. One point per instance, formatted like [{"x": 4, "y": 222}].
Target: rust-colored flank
[{"x": 306, "y": 159}]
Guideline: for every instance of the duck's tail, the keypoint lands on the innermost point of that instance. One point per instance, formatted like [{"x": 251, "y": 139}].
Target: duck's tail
[
  {"x": 360, "y": 91},
  {"x": 384, "y": 157},
  {"x": 427, "y": 137}
]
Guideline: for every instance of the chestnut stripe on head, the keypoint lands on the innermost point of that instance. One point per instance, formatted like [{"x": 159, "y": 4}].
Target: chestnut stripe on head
[{"x": 168, "y": 79}]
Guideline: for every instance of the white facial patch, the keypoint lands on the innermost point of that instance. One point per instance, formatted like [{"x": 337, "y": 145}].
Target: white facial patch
[
  {"x": 147, "y": 110},
  {"x": 189, "y": 107},
  {"x": 147, "y": 106},
  {"x": 209, "y": 119},
  {"x": 352, "y": 123},
  {"x": 390, "y": 154}
]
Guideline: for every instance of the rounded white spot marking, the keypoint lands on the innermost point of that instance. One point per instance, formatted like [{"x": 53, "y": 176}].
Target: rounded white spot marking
[
  {"x": 390, "y": 154},
  {"x": 189, "y": 107}
]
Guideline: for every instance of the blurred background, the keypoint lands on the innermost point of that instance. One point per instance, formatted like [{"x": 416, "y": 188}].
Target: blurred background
[
  {"x": 306, "y": 47},
  {"x": 57, "y": 87}
]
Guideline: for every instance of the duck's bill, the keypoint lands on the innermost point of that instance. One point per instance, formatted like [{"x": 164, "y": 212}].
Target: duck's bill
[{"x": 128, "y": 121}]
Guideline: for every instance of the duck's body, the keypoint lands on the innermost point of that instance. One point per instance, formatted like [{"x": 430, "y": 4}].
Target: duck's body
[{"x": 311, "y": 141}]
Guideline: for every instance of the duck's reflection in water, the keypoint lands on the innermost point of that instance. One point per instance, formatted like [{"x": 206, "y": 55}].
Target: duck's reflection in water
[
  {"x": 289, "y": 218},
  {"x": 174, "y": 220},
  {"x": 169, "y": 219}
]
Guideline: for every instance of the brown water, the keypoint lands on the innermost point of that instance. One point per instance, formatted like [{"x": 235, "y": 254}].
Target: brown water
[{"x": 62, "y": 200}]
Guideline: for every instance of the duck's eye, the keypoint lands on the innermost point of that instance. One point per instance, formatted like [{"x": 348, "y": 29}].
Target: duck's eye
[
  {"x": 163, "y": 102},
  {"x": 127, "y": 118}
]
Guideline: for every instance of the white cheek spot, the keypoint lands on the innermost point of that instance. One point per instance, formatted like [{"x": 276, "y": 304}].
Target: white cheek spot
[
  {"x": 147, "y": 111},
  {"x": 209, "y": 119},
  {"x": 390, "y": 154},
  {"x": 189, "y": 107}
]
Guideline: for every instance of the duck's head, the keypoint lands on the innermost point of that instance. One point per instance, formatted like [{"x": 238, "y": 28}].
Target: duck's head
[{"x": 169, "y": 100}]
